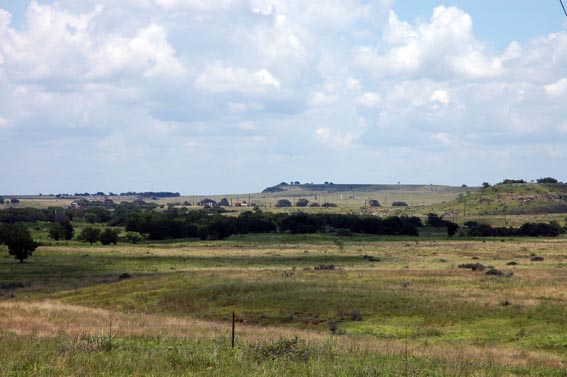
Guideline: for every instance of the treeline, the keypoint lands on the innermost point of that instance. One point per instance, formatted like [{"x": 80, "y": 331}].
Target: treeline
[
  {"x": 178, "y": 223},
  {"x": 552, "y": 229}
]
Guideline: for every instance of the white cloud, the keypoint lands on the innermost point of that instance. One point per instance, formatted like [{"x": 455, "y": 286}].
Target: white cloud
[
  {"x": 323, "y": 99},
  {"x": 148, "y": 53},
  {"x": 220, "y": 78},
  {"x": 333, "y": 139},
  {"x": 4, "y": 123},
  {"x": 369, "y": 99},
  {"x": 444, "y": 45},
  {"x": 440, "y": 96},
  {"x": 443, "y": 138},
  {"x": 557, "y": 89},
  {"x": 198, "y": 5}
]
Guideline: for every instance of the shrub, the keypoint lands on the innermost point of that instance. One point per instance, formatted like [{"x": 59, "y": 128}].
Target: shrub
[
  {"x": 134, "y": 237},
  {"x": 90, "y": 235},
  {"x": 109, "y": 236},
  {"x": 356, "y": 315},
  {"x": 283, "y": 203},
  {"x": 472, "y": 266},
  {"x": 399, "y": 204},
  {"x": 284, "y": 348}
]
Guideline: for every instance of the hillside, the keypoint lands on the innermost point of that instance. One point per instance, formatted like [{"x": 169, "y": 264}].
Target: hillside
[{"x": 508, "y": 199}]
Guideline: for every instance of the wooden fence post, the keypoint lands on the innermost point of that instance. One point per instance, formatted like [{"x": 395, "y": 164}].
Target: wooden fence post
[{"x": 233, "y": 323}]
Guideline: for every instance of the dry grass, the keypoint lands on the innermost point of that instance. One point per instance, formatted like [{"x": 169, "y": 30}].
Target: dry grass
[{"x": 53, "y": 318}]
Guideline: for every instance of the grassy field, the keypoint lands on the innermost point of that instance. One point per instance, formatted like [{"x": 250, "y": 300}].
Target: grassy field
[{"x": 305, "y": 305}]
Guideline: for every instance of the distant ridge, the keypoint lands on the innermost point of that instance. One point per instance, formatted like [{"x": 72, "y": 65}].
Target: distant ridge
[{"x": 341, "y": 187}]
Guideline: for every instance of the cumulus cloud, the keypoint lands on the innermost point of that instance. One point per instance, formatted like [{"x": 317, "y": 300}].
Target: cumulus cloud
[
  {"x": 444, "y": 45},
  {"x": 148, "y": 54},
  {"x": 221, "y": 78},
  {"x": 557, "y": 89},
  {"x": 301, "y": 86}
]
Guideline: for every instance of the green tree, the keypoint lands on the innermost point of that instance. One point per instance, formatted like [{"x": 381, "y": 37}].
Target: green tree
[
  {"x": 19, "y": 241},
  {"x": 283, "y": 203},
  {"x": 109, "y": 236},
  {"x": 134, "y": 237},
  {"x": 302, "y": 203},
  {"x": 1, "y": 200},
  {"x": 452, "y": 228},
  {"x": 68, "y": 230},
  {"x": 90, "y": 235},
  {"x": 56, "y": 231}
]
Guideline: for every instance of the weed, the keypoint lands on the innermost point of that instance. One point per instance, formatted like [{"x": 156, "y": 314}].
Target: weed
[{"x": 293, "y": 349}]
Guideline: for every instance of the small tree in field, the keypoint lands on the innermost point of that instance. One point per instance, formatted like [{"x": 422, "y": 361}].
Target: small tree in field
[
  {"x": 109, "y": 236},
  {"x": 134, "y": 237},
  {"x": 19, "y": 241},
  {"x": 302, "y": 203},
  {"x": 90, "y": 235},
  {"x": 56, "y": 232},
  {"x": 283, "y": 203}
]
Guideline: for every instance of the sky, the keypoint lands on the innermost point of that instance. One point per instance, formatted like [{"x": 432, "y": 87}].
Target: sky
[{"x": 232, "y": 96}]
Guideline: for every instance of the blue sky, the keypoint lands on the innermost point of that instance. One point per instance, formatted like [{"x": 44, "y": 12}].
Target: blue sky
[{"x": 231, "y": 96}]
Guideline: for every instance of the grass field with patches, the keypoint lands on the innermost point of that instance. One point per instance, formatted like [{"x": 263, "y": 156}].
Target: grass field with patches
[{"x": 393, "y": 305}]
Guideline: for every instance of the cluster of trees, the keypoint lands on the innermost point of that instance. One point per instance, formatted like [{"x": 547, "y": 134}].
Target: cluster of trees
[
  {"x": 545, "y": 180},
  {"x": 284, "y": 203},
  {"x": 206, "y": 225},
  {"x": 552, "y": 229},
  {"x": 437, "y": 221},
  {"x": 93, "y": 235}
]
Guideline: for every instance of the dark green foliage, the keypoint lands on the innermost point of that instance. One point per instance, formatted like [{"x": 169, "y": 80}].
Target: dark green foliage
[
  {"x": 547, "y": 180},
  {"x": 56, "y": 232},
  {"x": 512, "y": 181},
  {"x": 540, "y": 229},
  {"x": 109, "y": 236},
  {"x": 1, "y": 200},
  {"x": 134, "y": 237},
  {"x": 90, "y": 235},
  {"x": 283, "y": 203},
  {"x": 19, "y": 241},
  {"x": 61, "y": 231},
  {"x": 302, "y": 203},
  {"x": 97, "y": 215},
  {"x": 435, "y": 220},
  {"x": 224, "y": 202},
  {"x": 452, "y": 228},
  {"x": 373, "y": 203},
  {"x": 399, "y": 204},
  {"x": 553, "y": 229}
]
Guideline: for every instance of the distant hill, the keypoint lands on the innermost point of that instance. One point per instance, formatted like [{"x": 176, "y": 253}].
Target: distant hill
[
  {"x": 361, "y": 188},
  {"x": 511, "y": 199}
]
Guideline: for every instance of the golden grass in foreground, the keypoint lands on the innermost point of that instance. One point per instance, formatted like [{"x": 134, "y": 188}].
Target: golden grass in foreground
[{"x": 52, "y": 318}]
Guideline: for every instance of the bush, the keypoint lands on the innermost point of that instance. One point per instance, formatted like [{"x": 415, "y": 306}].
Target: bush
[
  {"x": 109, "y": 236},
  {"x": 356, "y": 315},
  {"x": 294, "y": 349},
  {"x": 399, "y": 204},
  {"x": 283, "y": 203},
  {"x": 134, "y": 237},
  {"x": 302, "y": 203},
  {"x": 373, "y": 203},
  {"x": 90, "y": 235}
]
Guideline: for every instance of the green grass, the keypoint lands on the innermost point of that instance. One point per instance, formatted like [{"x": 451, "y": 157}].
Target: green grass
[{"x": 415, "y": 294}]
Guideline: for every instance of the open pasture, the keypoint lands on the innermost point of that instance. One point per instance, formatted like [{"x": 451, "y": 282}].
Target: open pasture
[{"x": 362, "y": 306}]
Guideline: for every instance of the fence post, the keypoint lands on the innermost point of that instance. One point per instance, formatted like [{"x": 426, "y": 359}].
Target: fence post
[{"x": 233, "y": 323}]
